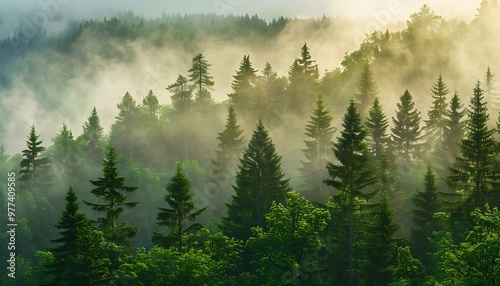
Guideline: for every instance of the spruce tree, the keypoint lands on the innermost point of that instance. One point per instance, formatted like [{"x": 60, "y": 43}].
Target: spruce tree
[
  {"x": 201, "y": 80},
  {"x": 181, "y": 95},
  {"x": 352, "y": 175},
  {"x": 259, "y": 182},
  {"x": 180, "y": 217},
  {"x": 65, "y": 160},
  {"x": 367, "y": 90},
  {"x": 427, "y": 203},
  {"x": 381, "y": 244},
  {"x": 124, "y": 134},
  {"x": 93, "y": 138},
  {"x": 317, "y": 152},
  {"x": 231, "y": 145},
  {"x": 448, "y": 146},
  {"x": 34, "y": 168},
  {"x": 492, "y": 97},
  {"x": 435, "y": 126},
  {"x": 406, "y": 130},
  {"x": 473, "y": 172},
  {"x": 110, "y": 188},
  {"x": 69, "y": 266},
  {"x": 244, "y": 91},
  {"x": 376, "y": 125},
  {"x": 303, "y": 77},
  {"x": 271, "y": 95}
]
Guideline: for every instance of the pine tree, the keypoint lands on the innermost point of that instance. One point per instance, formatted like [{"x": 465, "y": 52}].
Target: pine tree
[
  {"x": 427, "y": 203},
  {"x": 492, "y": 97},
  {"x": 381, "y": 244},
  {"x": 150, "y": 105},
  {"x": 473, "y": 172},
  {"x": 180, "y": 217},
  {"x": 352, "y": 175},
  {"x": 93, "y": 137},
  {"x": 201, "y": 80},
  {"x": 68, "y": 266},
  {"x": 376, "y": 125},
  {"x": 181, "y": 95},
  {"x": 110, "y": 188},
  {"x": 435, "y": 127},
  {"x": 231, "y": 145},
  {"x": 406, "y": 129},
  {"x": 34, "y": 168},
  {"x": 124, "y": 134},
  {"x": 448, "y": 146},
  {"x": 259, "y": 182},
  {"x": 317, "y": 151},
  {"x": 367, "y": 90},
  {"x": 244, "y": 90},
  {"x": 303, "y": 77},
  {"x": 65, "y": 160},
  {"x": 271, "y": 95}
]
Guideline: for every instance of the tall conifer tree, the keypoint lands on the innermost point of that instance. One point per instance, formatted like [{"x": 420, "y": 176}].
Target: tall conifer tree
[{"x": 259, "y": 182}]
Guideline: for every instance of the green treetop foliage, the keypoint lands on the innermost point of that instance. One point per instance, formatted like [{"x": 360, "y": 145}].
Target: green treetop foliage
[
  {"x": 110, "y": 188},
  {"x": 427, "y": 203},
  {"x": 34, "y": 168},
  {"x": 244, "y": 88},
  {"x": 319, "y": 132},
  {"x": 473, "y": 172},
  {"x": 475, "y": 261},
  {"x": 367, "y": 90},
  {"x": 376, "y": 125},
  {"x": 201, "y": 80},
  {"x": 181, "y": 95},
  {"x": 352, "y": 175},
  {"x": 406, "y": 130},
  {"x": 435, "y": 126},
  {"x": 231, "y": 145},
  {"x": 285, "y": 251},
  {"x": 93, "y": 137},
  {"x": 303, "y": 83},
  {"x": 259, "y": 182},
  {"x": 180, "y": 217}
]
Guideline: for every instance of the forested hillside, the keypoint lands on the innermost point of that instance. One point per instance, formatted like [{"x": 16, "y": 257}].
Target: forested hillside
[{"x": 229, "y": 150}]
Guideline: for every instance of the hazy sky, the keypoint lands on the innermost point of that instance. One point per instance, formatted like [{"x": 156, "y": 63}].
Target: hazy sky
[{"x": 12, "y": 13}]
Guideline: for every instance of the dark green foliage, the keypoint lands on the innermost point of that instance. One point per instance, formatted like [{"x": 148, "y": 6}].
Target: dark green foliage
[
  {"x": 427, "y": 203},
  {"x": 181, "y": 95},
  {"x": 435, "y": 126},
  {"x": 473, "y": 174},
  {"x": 367, "y": 90},
  {"x": 380, "y": 245},
  {"x": 259, "y": 182},
  {"x": 406, "y": 131},
  {"x": 180, "y": 217},
  {"x": 376, "y": 126},
  {"x": 93, "y": 138},
  {"x": 79, "y": 257},
  {"x": 270, "y": 101},
  {"x": 110, "y": 188},
  {"x": 303, "y": 78},
  {"x": 352, "y": 175},
  {"x": 34, "y": 168},
  {"x": 231, "y": 145},
  {"x": 319, "y": 132}
]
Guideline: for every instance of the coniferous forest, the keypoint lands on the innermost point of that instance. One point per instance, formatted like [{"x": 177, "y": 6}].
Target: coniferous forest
[{"x": 382, "y": 170}]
